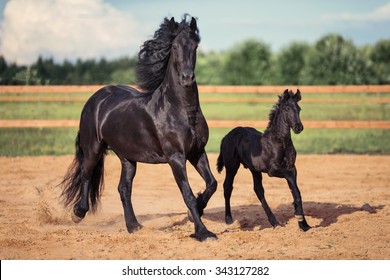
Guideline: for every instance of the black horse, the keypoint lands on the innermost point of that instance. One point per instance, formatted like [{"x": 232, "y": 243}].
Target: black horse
[
  {"x": 272, "y": 152},
  {"x": 162, "y": 124}
]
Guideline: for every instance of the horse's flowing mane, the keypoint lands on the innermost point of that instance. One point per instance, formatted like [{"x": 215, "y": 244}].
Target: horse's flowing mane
[
  {"x": 282, "y": 99},
  {"x": 154, "y": 54}
]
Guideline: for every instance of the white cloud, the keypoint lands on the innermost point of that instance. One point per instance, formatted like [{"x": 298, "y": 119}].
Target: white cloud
[
  {"x": 380, "y": 14},
  {"x": 66, "y": 29}
]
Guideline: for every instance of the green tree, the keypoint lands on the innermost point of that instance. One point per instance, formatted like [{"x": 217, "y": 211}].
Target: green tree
[
  {"x": 248, "y": 63},
  {"x": 334, "y": 60},
  {"x": 290, "y": 63},
  {"x": 380, "y": 56},
  {"x": 209, "y": 68}
]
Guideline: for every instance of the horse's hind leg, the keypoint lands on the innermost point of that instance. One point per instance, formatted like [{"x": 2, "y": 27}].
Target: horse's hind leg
[
  {"x": 91, "y": 177},
  {"x": 125, "y": 188},
  {"x": 259, "y": 190}
]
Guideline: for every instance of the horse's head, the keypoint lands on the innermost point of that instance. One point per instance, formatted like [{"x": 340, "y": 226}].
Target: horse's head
[
  {"x": 290, "y": 110},
  {"x": 183, "y": 50}
]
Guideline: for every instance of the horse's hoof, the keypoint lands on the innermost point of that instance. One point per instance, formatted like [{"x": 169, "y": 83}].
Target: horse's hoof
[
  {"x": 133, "y": 227},
  {"x": 204, "y": 235},
  {"x": 228, "y": 220},
  {"x": 274, "y": 222},
  {"x": 277, "y": 224},
  {"x": 76, "y": 219},
  {"x": 304, "y": 225}
]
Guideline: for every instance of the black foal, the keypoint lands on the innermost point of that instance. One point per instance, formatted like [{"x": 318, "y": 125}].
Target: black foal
[{"x": 271, "y": 152}]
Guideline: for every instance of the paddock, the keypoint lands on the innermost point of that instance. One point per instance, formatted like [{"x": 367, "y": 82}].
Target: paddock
[{"x": 345, "y": 198}]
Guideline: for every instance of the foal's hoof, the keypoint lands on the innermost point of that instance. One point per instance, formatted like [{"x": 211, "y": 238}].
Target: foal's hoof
[
  {"x": 204, "y": 235},
  {"x": 76, "y": 219},
  {"x": 133, "y": 227},
  {"x": 304, "y": 225}
]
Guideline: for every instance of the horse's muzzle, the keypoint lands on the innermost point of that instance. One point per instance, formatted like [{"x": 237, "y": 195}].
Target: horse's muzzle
[
  {"x": 297, "y": 128},
  {"x": 187, "y": 78}
]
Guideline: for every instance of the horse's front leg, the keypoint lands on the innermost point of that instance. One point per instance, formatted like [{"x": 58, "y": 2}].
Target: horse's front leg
[
  {"x": 178, "y": 165},
  {"x": 201, "y": 164},
  {"x": 291, "y": 177}
]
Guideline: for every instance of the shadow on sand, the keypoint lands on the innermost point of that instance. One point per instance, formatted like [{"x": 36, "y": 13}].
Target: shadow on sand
[{"x": 251, "y": 216}]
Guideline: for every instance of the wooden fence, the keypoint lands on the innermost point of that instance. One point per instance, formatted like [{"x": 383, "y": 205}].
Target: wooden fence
[{"x": 37, "y": 93}]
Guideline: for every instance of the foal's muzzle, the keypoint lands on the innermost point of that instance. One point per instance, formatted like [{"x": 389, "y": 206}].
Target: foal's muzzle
[{"x": 297, "y": 128}]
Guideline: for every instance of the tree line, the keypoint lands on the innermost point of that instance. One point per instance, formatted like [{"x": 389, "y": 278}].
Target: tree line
[{"x": 331, "y": 60}]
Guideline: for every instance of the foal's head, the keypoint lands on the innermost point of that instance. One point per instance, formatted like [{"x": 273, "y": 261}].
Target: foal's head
[{"x": 289, "y": 110}]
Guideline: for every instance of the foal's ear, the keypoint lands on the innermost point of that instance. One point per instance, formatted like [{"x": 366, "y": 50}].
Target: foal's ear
[
  {"x": 172, "y": 24},
  {"x": 297, "y": 96},
  {"x": 193, "y": 24}
]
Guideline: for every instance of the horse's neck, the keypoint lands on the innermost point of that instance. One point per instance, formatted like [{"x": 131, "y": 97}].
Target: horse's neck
[
  {"x": 186, "y": 98},
  {"x": 182, "y": 101},
  {"x": 278, "y": 131}
]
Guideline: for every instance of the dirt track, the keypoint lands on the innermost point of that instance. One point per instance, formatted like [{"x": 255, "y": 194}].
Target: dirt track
[{"x": 346, "y": 200}]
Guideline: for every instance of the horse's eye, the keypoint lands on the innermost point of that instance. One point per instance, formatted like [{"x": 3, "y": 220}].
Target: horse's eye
[{"x": 174, "y": 46}]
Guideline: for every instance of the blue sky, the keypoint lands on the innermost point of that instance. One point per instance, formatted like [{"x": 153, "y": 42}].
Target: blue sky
[{"x": 70, "y": 29}]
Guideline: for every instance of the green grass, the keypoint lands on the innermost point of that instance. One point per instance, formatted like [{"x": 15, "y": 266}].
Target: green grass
[
  {"x": 37, "y": 141},
  {"x": 315, "y": 112},
  {"x": 40, "y": 110},
  {"x": 212, "y": 111},
  {"x": 326, "y": 141},
  {"x": 60, "y": 141}
]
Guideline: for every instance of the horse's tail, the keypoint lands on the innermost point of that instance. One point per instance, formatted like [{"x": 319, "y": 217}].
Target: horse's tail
[
  {"x": 220, "y": 163},
  {"x": 73, "y": 180}
]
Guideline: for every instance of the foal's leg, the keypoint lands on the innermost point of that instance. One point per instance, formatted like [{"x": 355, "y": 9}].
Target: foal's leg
[
  {"x": 231, "y": 171},
  {"x": 201, "y": 164},
  {"x": 291, "y": 177},
  {"x": 125, "y": 187},
  {"x": 259, "y": 190},
  {"x": 178, "y": 165}
]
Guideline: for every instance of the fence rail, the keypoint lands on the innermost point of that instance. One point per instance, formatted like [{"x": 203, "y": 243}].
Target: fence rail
[
  {"x": 211, "y": 123},
  {"x": 373, "y": 100}
]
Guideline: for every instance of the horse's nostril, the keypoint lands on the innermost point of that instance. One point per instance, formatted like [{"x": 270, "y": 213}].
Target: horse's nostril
[{"x": 188, "y": 76}]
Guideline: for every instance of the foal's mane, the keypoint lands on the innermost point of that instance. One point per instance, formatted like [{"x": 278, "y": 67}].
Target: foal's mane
[
  {"x": 154, "y": 54},
  {"x": 283, "y": 98}
]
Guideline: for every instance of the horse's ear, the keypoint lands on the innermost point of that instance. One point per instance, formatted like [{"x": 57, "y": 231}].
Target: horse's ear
[
  {"x": 172, "y": 24},
  {"x": 286, "y": 94},
  {"x": 297, "y": 96},
  {"x": 193, "y": 24}
]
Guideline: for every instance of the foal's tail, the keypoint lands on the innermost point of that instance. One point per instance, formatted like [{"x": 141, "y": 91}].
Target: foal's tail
[
  {"x": 220, "y": 163},
  {"x": 74, "y": 178}
]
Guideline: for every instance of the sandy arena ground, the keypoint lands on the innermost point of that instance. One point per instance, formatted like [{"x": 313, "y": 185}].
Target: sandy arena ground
[{"x": 346, "y": 200}]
